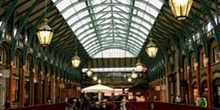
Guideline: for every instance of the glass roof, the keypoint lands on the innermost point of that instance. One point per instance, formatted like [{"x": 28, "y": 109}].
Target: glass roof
[{"x": 102, "y": 25}]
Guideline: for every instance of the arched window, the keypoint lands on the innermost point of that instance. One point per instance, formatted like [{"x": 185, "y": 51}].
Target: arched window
[
  {"x": 1, "y": 55},
  {"x": 16, "y": 61},
  {"x": 27, "y": 63}
]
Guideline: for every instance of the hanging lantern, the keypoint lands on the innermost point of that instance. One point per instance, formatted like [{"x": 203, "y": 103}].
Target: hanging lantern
[
  {"x": 76, "y": 61},
  {"x": 99, "y": 81},
  {"x": 133, "y": 75},
  {"x": 180, "y": 8},
  {"x": 129, "y": 79},
  {"x": 151, "y": 49},
  {"x": 139, "y": 65},
  {"x": 89, "y": 72},
  {"x": 94, "y": 78},
  {"x": 45, "y": 34}
]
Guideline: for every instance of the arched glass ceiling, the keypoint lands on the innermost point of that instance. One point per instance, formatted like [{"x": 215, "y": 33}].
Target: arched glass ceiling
[
  {"x": 102, "y": 25},
  {"x": 114, "y": 53}
]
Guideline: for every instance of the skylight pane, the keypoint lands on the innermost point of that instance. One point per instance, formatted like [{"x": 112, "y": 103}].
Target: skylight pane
[
  {"x": 106, "y": 21},
  {"x": 119, "y": 21},
  {"x": 146, "y": 25},
  {"x": 118, "y": 69},
  {"x": 63, "y": 4},
  {"x": 156, "y": 3},
  {"x": 79, "y": 31},
  {"x": 77, "y": 25},
  {"x": 72, "y": 20},
  {"x": 125, "y": 2},
  {"x": 98, "y": 9},
  {"x": 83, "y": 14},
  {"x": 90, "y": 31},
  {"x": 104, "y": 31},
  {"x": 87, "y": 20},
  {"x": 68, "y": 13},
  {"x": 123, "y": 15},
  {"x": 141, "y": 14},
  {"x": 107, "y": 15},
  {"x": 144, "y": 36},
  {"x": 87, "y": 42},
  {"x": 120, "y": 26},
  {"x": 135, "y": 25},
  {"x": 79, "y": 6},
  {"x": 95, "y": 2},
  {"x": 81, "y": 36},
  {"x": 113, "y": 53},
  {"x": 139, "y": 4},
  {"x": 136, "y": 19}
]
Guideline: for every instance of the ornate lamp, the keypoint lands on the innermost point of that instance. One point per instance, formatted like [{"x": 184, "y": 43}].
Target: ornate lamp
[
  {"x": 151, "y": 49},
  {"x": 76, "y": 61},
  {"x": 45, "y": 32},
  {"x": 129, "y": 79},
  {"x": 89, "y": 72},
  {"x": 139, "y": 65},
  {"x": 99, "y": 81},
  {"x": 95, "y": 78},
  {"x": 133, "y": 75},
  {"x": 180, "y": 8}
]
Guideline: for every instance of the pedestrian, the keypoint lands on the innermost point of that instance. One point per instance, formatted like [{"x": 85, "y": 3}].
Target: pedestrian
[
  {"x": 177, "y": 99},
  {"x": 201, "y": 101},
  {"x": 186, "y": 99},
  {"x": 172, "y": 98},
  {"x": 7, "y": 103}
]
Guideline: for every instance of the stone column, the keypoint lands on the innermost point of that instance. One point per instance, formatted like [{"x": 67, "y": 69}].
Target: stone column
[
  {"x": 178, "y": 83},
  {"x": 40, "y": 88},
  {"x": 46, "y": 92},
  {"x": 196, "y": 65},
  {"x": 22, "y": 86},
  {"x": 11, "y": 81},
  {"x": 189, "y": 80},
  {"x": 53, "y": 89},
  {"x": 32, "y": 78},
  {"x": 209, "y": 87},
  {"x": 182, "y": 86}
]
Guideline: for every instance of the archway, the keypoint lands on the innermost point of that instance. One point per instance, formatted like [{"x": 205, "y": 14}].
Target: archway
[{"x": 194, "y": 92}]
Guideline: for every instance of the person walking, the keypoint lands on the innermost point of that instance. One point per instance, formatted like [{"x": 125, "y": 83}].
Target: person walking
[
  {"x": 201, "y": 101},
  {"x": 185, "y": 99},
  {"x": 177, "y": 99},
  {"x": 7, "y": 103}
]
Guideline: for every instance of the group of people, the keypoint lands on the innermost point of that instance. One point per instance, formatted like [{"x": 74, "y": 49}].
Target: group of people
[{"x": 200, "y": 101}]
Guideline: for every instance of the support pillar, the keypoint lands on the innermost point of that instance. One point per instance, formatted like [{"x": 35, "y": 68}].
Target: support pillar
[
  {"x": 197, "y": 78},
  {"x": 40, "y": 88},
  {"x": 189, "y": 80},
  {"x": 178, "y": 83},
  {"x": 32, "y": 86},
  {"x": 53, "y": 89},
  {"x": 182, "y": 87},
  {"x": 46, "y": 92},
  {"x": 11, "y": 81},
  {"x": 22, "y": 88},
  {"x": 209, "y": 87}
]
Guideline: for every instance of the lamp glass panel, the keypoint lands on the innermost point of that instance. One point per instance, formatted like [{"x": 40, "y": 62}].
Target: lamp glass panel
[
  {"x": 45, "y": 37},
  {"x": 151, "y": 51}
]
